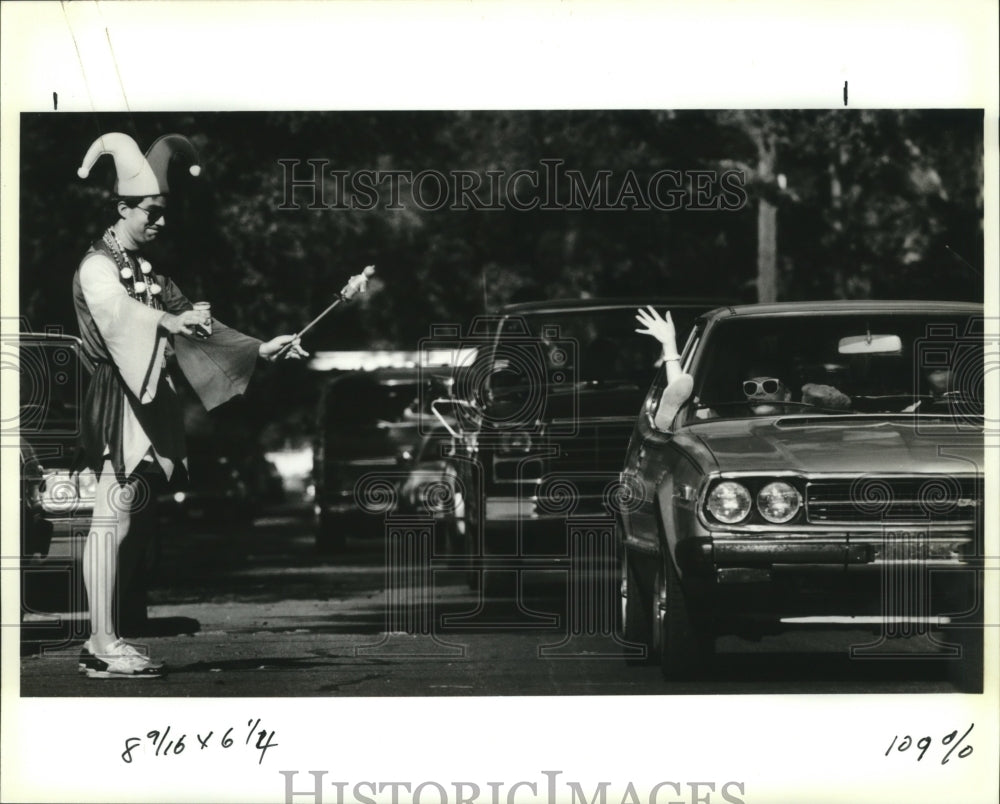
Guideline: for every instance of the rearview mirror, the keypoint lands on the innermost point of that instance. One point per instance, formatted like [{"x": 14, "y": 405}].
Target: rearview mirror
[{"x": 870, "y": 345}]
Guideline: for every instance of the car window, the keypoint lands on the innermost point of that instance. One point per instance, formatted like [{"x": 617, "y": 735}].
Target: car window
[
  {"x": 354, "y": 401},
  {"x": 691, "y": 344},
  {"x": 582, "y": 346},
  {"x": 840, "y": 363},
  {"x": 655, "y": 395}
]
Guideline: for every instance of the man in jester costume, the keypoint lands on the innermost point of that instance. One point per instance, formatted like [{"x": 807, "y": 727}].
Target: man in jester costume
[{"x": 132, "y": 433}]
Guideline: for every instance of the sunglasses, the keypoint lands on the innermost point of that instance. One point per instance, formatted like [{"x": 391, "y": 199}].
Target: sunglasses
[
  {"x": 154, "y": 213},
  {"x": 768, "y": 386}
]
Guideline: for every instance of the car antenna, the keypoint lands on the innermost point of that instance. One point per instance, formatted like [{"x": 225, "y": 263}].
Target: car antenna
[{"x": 964, "y": 262}]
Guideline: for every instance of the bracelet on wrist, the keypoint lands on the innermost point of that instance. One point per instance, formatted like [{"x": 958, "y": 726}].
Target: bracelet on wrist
[{"x": 671, "y": 359}]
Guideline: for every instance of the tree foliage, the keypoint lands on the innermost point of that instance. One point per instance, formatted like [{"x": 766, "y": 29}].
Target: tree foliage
[{"x": 868, "y": 204}]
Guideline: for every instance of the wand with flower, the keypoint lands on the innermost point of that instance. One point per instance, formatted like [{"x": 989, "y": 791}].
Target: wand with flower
[{"x": 356, "y": 284}]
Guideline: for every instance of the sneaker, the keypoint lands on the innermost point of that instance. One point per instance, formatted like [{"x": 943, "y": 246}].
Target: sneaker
[{"x": 118, "y": 660}]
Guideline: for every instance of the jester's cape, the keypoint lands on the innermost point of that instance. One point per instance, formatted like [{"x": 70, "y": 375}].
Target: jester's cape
[{"x": 130, "y": 404}]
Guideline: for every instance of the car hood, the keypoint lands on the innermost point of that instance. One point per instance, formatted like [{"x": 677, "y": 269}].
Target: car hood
[{"x": 854, "y": 444}]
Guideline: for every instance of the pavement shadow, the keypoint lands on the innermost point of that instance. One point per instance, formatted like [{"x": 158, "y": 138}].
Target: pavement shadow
[
  {"x": 62, "y": 631},
  {"x": 254, "y": 663},
  {"x": 162, "y": 627}
]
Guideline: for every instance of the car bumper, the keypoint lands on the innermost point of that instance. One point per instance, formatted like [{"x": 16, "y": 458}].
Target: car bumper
[
  {"x": 860, "y": 578},
  {"x": 896, "y": 546}
]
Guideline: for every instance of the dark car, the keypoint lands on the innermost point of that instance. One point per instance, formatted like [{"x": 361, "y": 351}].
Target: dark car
[
  {"x": 56, "y": 503},
  {"x": 550, "y": 402},
  {"x": 825, "y": 470},
  {"x": 369, "y": 426},
  {"x": 429, "y": 484}
]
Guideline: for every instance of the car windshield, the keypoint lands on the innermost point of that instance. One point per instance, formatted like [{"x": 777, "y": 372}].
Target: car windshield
[
  {"x": 579, "y": 346},
  {"x": 833, "y": 363},
  {"x": 361, "y": 402}
]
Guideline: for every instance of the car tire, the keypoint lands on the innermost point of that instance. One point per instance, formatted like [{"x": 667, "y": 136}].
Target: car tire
[
  {"x": 633, "y": 611},
  {"x": 685, "y": 650}
]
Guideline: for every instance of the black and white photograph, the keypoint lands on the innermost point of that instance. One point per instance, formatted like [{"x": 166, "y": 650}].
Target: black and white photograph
[{"x": 618, "y": 445}]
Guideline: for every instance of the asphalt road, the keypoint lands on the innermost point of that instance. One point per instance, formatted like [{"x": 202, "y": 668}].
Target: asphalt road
[{"x": 255, "y": 612}]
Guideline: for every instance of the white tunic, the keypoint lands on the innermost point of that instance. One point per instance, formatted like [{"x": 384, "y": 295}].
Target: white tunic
[{"x": 131, "y": 331}]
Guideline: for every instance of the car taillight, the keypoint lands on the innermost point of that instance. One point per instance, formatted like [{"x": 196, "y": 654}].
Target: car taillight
[
  {"x": 87, "y": 486},
  {"x": 779, "y": 502},
  {"x": 59, "y": 491},
  {"x": 729, "y": 502}
]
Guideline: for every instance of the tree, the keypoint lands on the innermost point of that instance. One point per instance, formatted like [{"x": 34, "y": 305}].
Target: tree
[{"x": 839, "y": 203}]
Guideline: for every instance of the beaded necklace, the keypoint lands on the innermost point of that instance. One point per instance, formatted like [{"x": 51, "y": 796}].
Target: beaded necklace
[{"x": 142, "y": 288}]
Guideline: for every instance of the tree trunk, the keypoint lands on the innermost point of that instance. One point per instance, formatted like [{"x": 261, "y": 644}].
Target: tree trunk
[
  {"x": 767, "y": 248},
  {"x": 767, "y": 225}
]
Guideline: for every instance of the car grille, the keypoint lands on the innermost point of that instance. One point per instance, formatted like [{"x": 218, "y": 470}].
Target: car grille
[{"x": 929, "y": 498}]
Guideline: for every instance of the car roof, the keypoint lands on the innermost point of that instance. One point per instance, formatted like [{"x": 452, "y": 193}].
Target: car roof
[
  {"x": 842, "y": 306},
  {"x": 571, "y": 305},
  {"x": 49, "y": 336}
]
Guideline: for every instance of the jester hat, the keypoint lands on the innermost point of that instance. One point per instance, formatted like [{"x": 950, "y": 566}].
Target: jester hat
[{"x": 139, "y": 175}]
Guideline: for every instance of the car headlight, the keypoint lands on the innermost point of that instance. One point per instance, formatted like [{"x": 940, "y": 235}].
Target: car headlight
[
  {"x": 729, "y": 502},
  {"x": 515, "y": 443},
  {"x": 779, "y": 502}
]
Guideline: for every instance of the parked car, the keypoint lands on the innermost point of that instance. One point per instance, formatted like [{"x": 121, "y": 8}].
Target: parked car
[
  {"x": 369, "y": 424},
  {"x": 56, "y": 504},
  {"x": 548, "y": 407},
  {"x": 429, "y": 485},
  {"x": 825, "y": 470}
]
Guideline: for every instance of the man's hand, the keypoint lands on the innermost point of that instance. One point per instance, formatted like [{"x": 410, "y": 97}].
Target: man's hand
[
  {"x": 269, "y": 350},
  {"x": 181, "y": 324},
  {"x": 660, "y": 328}
]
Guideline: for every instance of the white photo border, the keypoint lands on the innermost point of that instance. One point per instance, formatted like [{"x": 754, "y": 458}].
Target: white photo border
[{"x": 200, "y": 56}]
